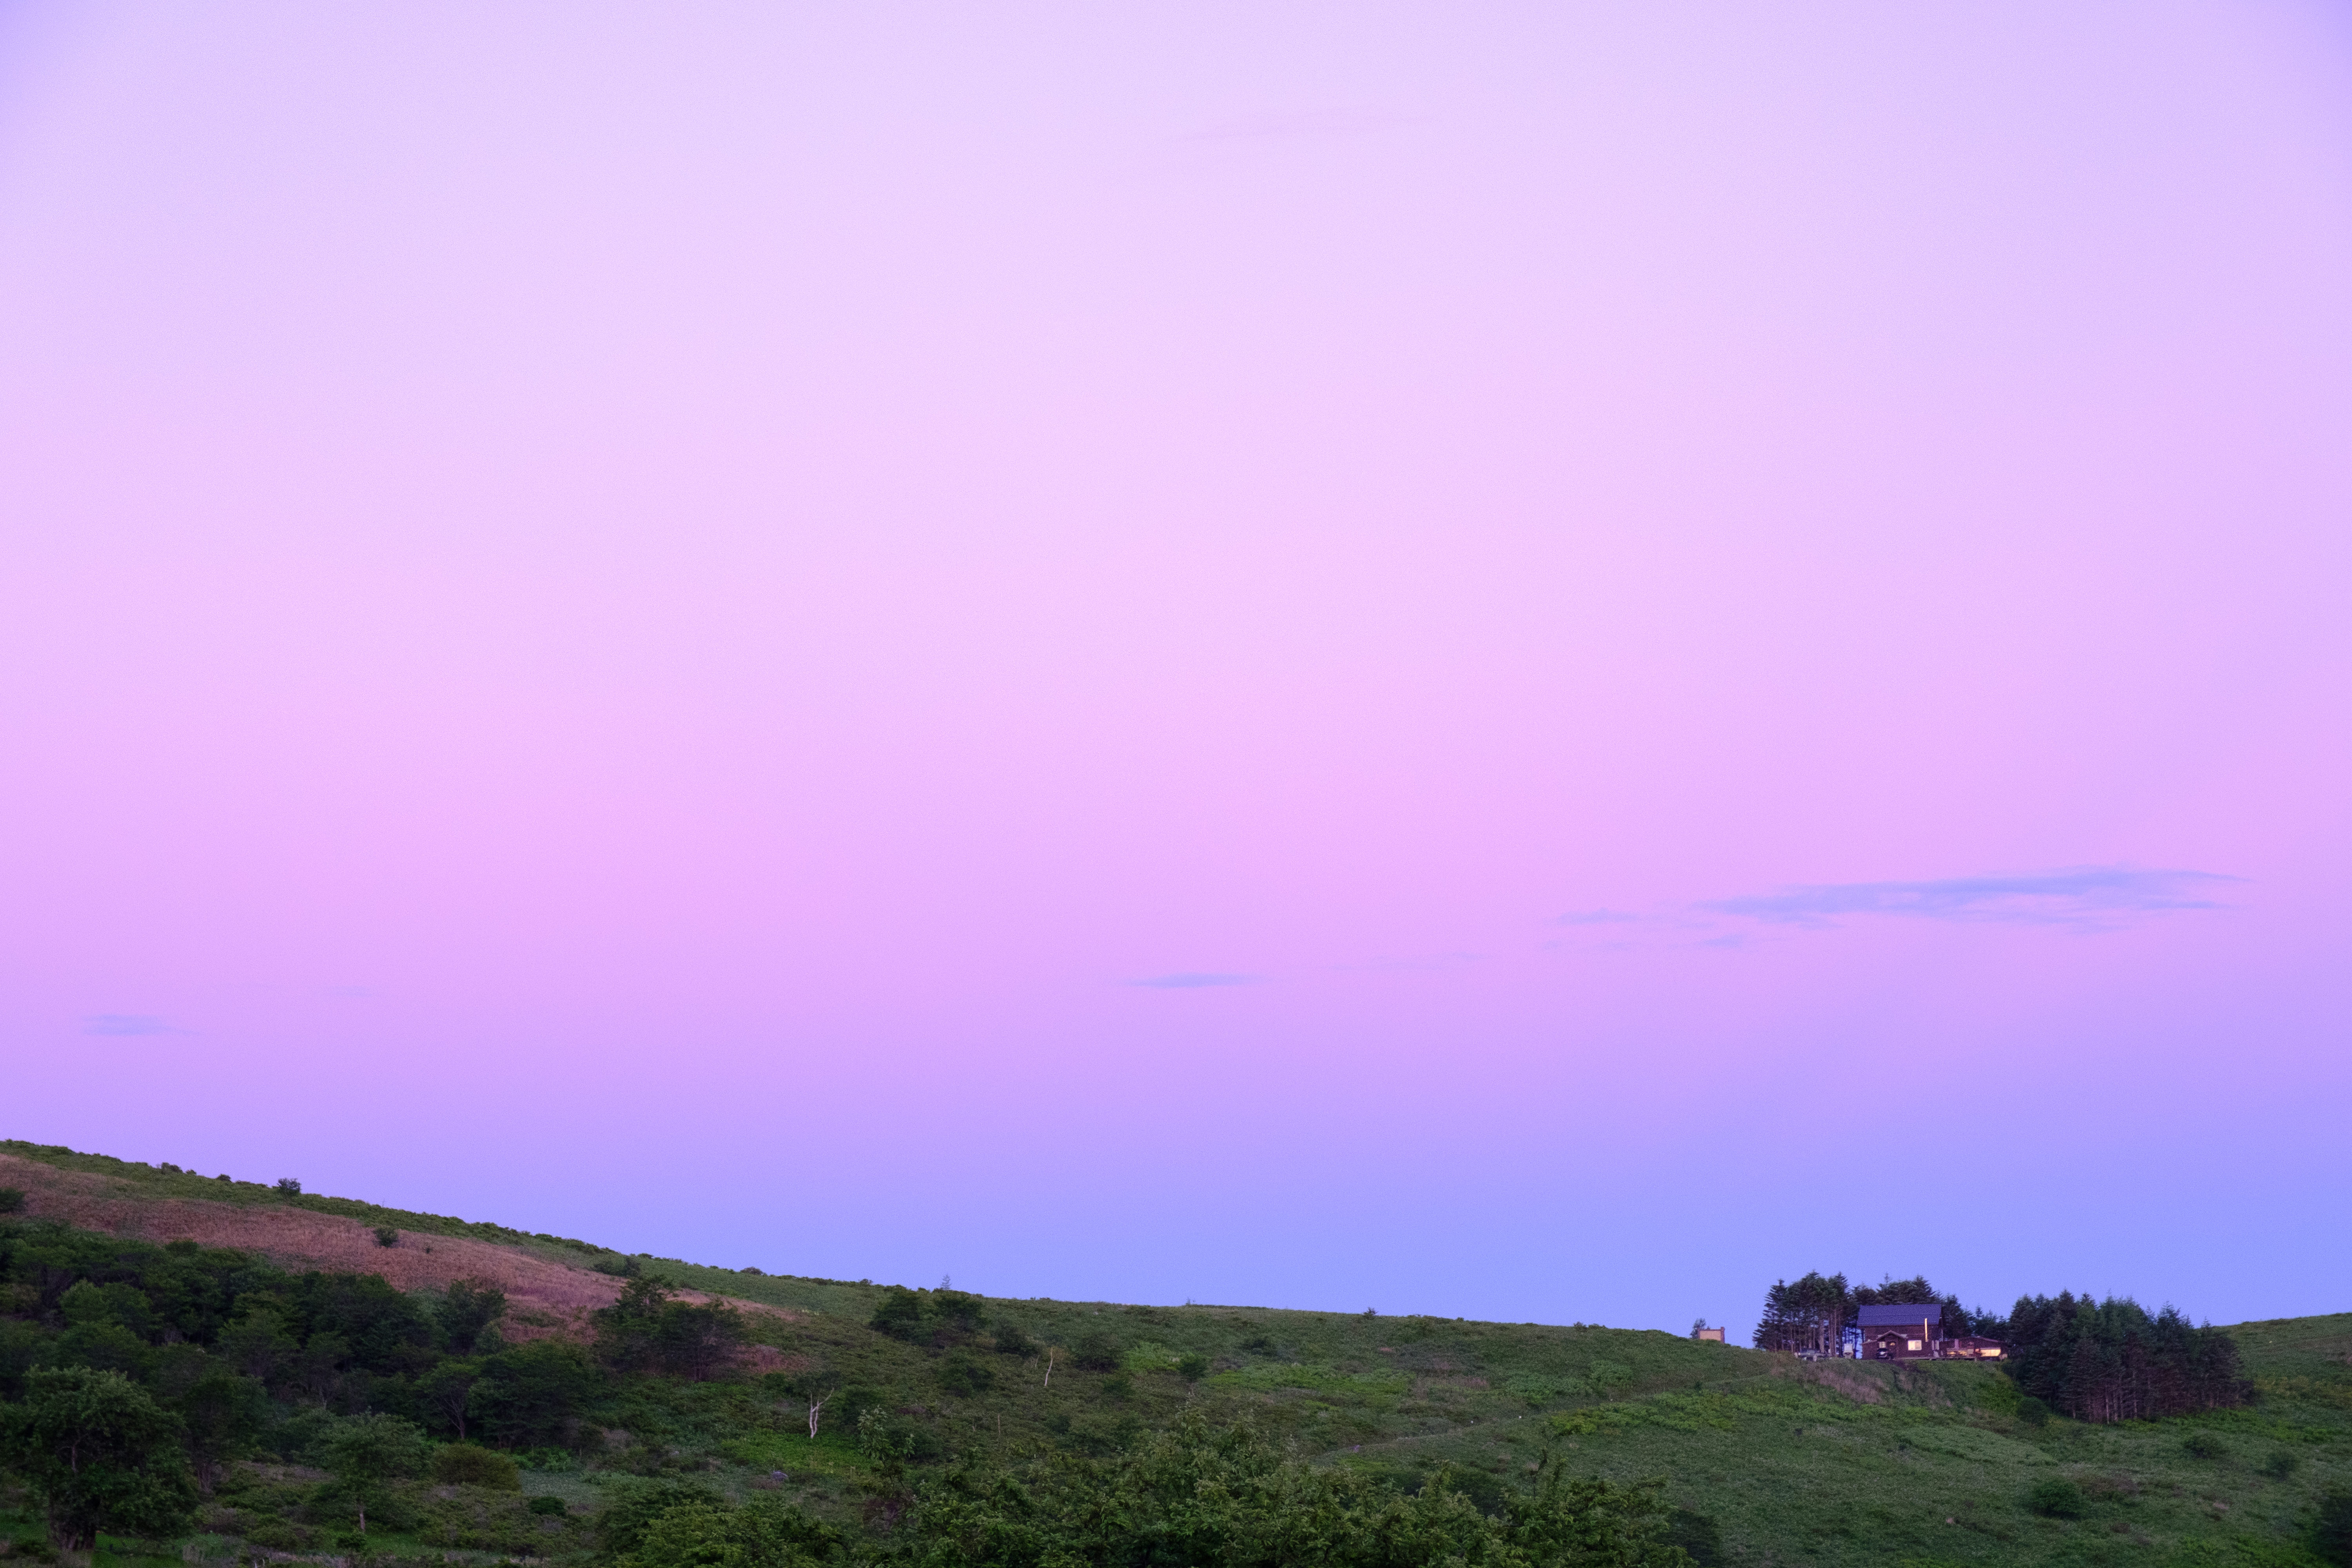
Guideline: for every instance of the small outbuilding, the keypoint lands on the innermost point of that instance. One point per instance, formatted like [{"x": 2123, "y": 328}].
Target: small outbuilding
[{"x": 1711, "y": 1336}]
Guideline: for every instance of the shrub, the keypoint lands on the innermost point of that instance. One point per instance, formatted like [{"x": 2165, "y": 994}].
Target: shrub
[
  {"x": 631, "y": 1506},
  {"x": 2331, "y": 1530},
  {"x": 12, "y": 1200},
  {"x": 549, "y": 1505},
  {"x": 2032, "y": 1411},
  {"x": 471, "y": 1464},
  {"x": 1095, "y": 1353},
  {"x": 281, "y": 1535},
  {"x": 899, "y": 1314},
  {"x": 2054, "y": 1499},
  {"x": 962, "y": 1374},
  {"x": 2281, "y": 1466},
  {"x": 1192, "y": 1368},
  {"x": 1698, "y": 1534},
  {"x": 1010, "y": 1341},
  {"x": 287, "y": 1187},
  {"x": 2204, "y": 1446},
  {"x": 386, "y": 1236}
]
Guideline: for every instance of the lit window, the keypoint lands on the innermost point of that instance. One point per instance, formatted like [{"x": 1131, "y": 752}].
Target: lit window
[{"x": 1910, "y": 1344}]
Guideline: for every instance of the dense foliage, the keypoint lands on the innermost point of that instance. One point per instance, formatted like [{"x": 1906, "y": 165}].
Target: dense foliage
[
  {"x": 1199, "y": 1494},
  {"x": 2111, "y": 1360},
  {"x": 146, "y": 1372}
]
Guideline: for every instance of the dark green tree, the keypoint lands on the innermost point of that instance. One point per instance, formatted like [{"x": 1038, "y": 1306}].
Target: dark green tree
[
  {"x": 899, "y": 1314},
  {"x": 533, "y": 1395},
  {"x": 467, "y": 1309},
  {"x": 447, "y": 1390},
  {"x": 367, "y": 1453},
  {"x": 256, "y": 1344},
  {"x": 100, "y": 1453},
  {"x": 224, "y": 1415},
  {"x": 1808, "y": 1315}
]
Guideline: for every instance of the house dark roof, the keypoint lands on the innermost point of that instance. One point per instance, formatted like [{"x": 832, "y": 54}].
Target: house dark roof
[{"x": 1895, "y": 1317}]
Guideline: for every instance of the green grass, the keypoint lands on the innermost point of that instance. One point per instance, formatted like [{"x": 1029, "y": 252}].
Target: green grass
[{"x": 1827, "y": 1465}]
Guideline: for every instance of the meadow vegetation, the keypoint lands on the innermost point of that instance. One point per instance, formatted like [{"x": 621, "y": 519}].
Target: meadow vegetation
[{"x": 215, "y": 1406}]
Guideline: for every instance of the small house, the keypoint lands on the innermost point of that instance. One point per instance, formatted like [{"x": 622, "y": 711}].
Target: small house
[
  {"x": 1711, "y": 1335},
  {"x": 1906, "y": 1331}
]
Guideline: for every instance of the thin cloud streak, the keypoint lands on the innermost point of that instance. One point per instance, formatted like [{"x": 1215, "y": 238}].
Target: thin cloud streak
[
  {"x": 126, "y": 1024},
  {"x": 2075, "y": 896}
]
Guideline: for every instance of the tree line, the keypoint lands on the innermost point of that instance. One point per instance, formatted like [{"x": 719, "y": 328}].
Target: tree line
[{"x": 2092, "y": 1360}]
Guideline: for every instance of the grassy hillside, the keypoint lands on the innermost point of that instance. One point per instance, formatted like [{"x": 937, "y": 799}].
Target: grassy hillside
[{"x": 1766, "y": 1460}]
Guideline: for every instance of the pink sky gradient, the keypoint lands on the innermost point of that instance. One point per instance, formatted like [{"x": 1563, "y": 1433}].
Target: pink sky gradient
[{"x": 1447, "y": 659}]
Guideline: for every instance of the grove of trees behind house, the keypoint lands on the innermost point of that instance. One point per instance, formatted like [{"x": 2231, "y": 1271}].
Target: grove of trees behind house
[{"x": 2092, "y": 1360}]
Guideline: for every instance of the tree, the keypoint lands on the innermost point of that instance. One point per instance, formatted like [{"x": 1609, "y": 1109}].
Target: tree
[
  {"x": 256, "y": 1344},
  {"x": 532, "y": 1394},
  {"x": 467, "y": 1309},
  {"x": 100, "y": 1453},
  {"x": 223, "y": 1414},
  {"x": 1808, "y": 1315},
  {"x": 366, "y": 1452},
  {"x": 812, "y": 1387},
  {"x": 698, "y": 1342},
  {"x": 2112, "y": 1361},
  {"x": 899, "y": 1314},
  {"x": 448, "y": 1389}
]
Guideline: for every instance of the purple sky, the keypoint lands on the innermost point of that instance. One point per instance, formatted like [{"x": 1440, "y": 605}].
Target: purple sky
[{"x": 1524, "y": 661}]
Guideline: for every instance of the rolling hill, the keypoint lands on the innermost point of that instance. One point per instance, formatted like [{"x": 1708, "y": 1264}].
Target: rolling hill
[{"x": 1764, "y": 1460}]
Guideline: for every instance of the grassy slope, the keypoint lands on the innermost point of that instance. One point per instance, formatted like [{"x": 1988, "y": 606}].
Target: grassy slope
[{"x": 1831, "y": 1465}]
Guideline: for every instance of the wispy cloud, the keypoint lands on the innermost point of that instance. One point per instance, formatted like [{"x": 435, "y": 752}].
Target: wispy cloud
[
  {"x": 126, "y": 1024},
  {"x": 1193, "y": 981},
  {"x": 2081, "y": 895}
]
